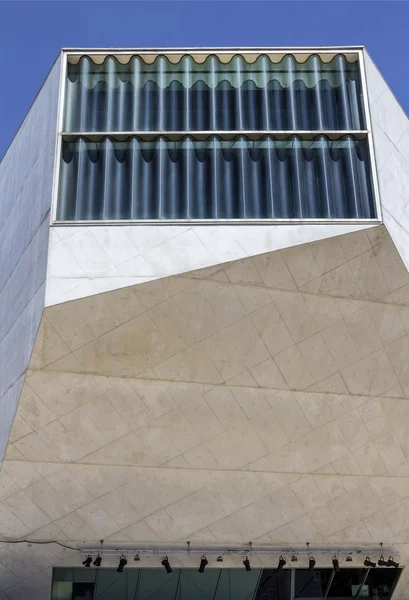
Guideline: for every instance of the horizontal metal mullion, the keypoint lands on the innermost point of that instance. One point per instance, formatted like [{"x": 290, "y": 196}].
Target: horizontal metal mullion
[
  {"x": 252, "y": 134},
  {"x": 157, "y": 222},
  {"x": 221, "y": 49}
]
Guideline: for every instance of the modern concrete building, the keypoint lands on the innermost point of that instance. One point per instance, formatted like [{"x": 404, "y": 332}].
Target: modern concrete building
[{"x": 204, "y": 342}]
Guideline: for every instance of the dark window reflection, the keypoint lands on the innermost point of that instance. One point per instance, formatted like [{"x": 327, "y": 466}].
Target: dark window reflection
[
  {"x": 311, "y": 585},
  {"x": 237, "y": 584},
  {"x": 346, "y": 583},
  {"x": 274, "y": 585},
  {"x": 156, "y": 584},
  {"x": 200, "y": 586},
  {"x": 83, "y": 591},
  {"x": 380, "y": 583}
]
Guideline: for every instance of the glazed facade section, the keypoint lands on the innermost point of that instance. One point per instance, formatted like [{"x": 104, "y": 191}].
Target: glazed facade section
[
  {"x": 215, "y": 179},
  {"x": 247, "y": 137},
  {"x": 223, "y": 584},
  {"x": 213, "y": 95}
]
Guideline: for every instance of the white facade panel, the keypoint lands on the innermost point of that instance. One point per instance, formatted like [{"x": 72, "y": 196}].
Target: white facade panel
[
  {"x": 26, "y": 173},
  {"x": 84, "y": 261},
  {"x": 390, "y": 127}
]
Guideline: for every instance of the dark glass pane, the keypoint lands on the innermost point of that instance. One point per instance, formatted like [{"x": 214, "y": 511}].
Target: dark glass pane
[
  {"x": 380, "y": 583},
  {"x": 83, "y": 591},
  {"x": 112, "y": 585},
  {"x": 237, "y": 584},
  {"x": 274, "y": 585},
  {"x": 346, "y": 583},
  {"x": 213, "y": 95},
  {"x": 311, "y": 585},
  {"x": 156, "y": 584},
  {"x": 215, "y": 179},
  {"x": 200, "y": 586},
  {"x": 73, "y": 574}
]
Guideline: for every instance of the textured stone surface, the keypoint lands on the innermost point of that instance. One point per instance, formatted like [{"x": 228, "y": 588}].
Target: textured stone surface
[{"x": 265, "y": 399}]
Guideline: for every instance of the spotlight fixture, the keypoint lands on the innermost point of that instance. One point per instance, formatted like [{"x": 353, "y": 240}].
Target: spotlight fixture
[
  {"x": 166, "y": 564},
  {"x": 220, "y": 558},
  {"x": 382, "y": 562},
  {"x": 122, "y": 563},
  {"x": 137, "y": 557},
  {"x": 87, "y": 562},
  {"x": 335, "y": 564},
  {"x": 246, "y": 563},
  {"x": 98, "y": 561},
  {"x": 392, "y": 563},
  {"x": 311, "y": 564},
  {"x": 203, "y": 563},
  {"x": 281, "y": 563},
  {"x": 369, "y": 563},
  {"x": 294, "y": 558}
]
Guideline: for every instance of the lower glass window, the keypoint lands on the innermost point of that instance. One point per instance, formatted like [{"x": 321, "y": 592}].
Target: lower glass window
[
  {"x": 223, "y": 584},
  {"x": 215, "y": 179}
]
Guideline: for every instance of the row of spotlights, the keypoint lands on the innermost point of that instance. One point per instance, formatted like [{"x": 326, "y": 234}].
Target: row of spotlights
[
  {"x": 97, "y": 562},
  {"x": 281, "y": 563},
  {"x": 381, "y": 562}
]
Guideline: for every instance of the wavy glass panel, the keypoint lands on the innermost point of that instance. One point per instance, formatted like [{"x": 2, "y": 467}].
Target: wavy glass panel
[
  {"x": 215, "y": 179},
  {"x": 211, "y": 96}
]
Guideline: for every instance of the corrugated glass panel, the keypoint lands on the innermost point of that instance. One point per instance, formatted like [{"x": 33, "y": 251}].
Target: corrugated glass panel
[
  {"x": 215, "y": 179},
  {"x": 211, "y": 96}
]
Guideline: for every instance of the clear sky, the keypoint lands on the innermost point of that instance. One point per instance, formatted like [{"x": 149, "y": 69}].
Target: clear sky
[{"x": 31, "y": 34}]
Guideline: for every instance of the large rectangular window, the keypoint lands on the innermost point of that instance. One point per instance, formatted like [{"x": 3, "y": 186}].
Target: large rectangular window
[{"x": 214, "y": 137}]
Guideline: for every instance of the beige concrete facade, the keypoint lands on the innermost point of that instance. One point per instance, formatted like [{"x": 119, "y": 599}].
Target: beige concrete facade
[{"x": 264, "y": 399}]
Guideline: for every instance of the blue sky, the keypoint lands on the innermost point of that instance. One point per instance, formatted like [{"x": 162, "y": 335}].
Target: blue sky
[{"x": 31, "y": 34}]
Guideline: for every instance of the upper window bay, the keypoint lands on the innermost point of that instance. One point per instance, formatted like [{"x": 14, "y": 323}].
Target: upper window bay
[{"x": 213, "y": 95}]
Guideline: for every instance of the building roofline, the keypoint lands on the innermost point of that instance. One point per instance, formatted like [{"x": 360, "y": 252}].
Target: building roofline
[{"x": 220, "y": 49}]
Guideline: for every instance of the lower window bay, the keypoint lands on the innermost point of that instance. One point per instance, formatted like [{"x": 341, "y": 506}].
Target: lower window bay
[
  {"x": 223, "y": 584},
  {"x": 215, "y": 179}
]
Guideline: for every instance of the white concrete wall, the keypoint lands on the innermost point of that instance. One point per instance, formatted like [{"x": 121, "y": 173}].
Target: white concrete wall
[
  {"x": 391, "y": 140},
  {"x": 25, "y": 197},
  {"x": 84, "y": 261}
]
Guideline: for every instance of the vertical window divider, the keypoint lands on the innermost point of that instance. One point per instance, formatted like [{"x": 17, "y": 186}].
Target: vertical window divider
[
  {"x": 362, "y": 584},
  {"x": 331, "y": 579},
  {"x": 368, "y": 126}
]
